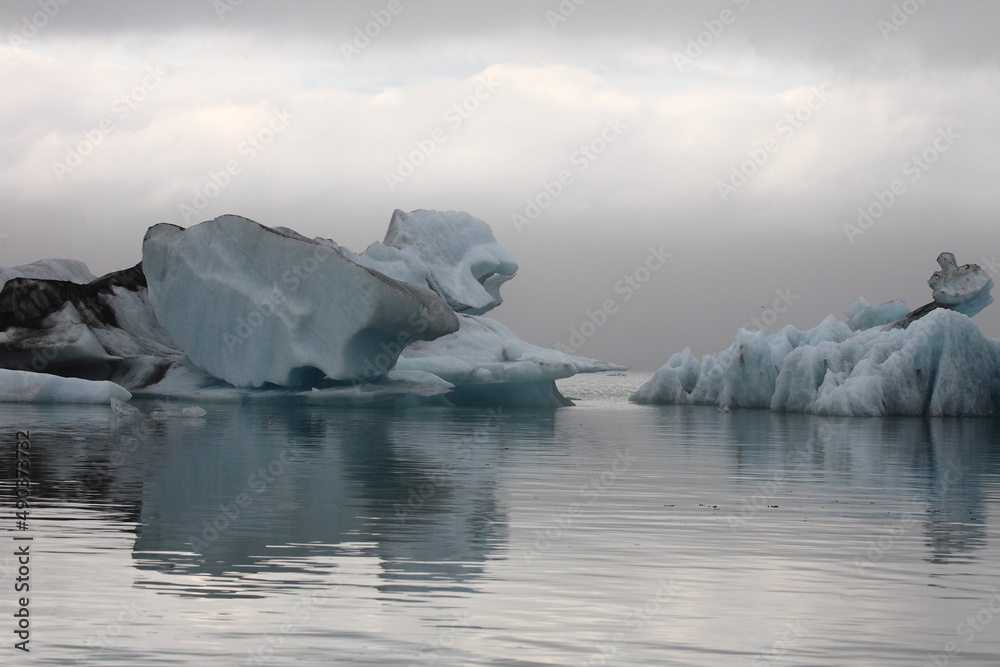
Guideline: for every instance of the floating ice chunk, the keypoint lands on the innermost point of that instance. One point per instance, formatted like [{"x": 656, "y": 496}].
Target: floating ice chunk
[
  {"x": 253, "y": 305},
  {"x": 862, "y": 316},
  {"x": 187, "y": 412},
  {"x": 452, "y": 253},
  {"x": 963, "y": 288},
  {"x": 123, "y": 409},
  {"x": 488, "y": 364},
  {"x": 29, "y": 387}
]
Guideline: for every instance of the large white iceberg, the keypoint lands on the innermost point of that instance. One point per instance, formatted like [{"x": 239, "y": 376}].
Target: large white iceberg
[
  {"x": 253, "y": 305},
  {"x": 232, "y": 310},
  {"x": 881, "y": 361}
]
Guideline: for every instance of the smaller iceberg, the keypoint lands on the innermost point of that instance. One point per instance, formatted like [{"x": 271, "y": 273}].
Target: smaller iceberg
[
  {"x": 883, "y": 360},
  {"x": 30, "y": 387},
  {"x": 487, "y": 364},
  {"x": 965, "y": 288}
]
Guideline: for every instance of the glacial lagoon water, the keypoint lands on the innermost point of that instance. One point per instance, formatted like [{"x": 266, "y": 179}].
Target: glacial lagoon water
[{"x": 607, "y": 533}]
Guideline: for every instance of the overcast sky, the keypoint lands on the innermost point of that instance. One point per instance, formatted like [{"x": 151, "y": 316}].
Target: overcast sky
[{"x": 741, "y": 137}]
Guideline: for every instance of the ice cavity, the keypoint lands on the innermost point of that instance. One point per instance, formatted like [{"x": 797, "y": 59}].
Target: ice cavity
[
  {"x": 452, "y": 253},
  {"x": 254, "y": 305},
  {"x": 880, "y": 361}
]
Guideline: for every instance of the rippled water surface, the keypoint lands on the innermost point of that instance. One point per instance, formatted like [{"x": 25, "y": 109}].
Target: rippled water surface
[{"x": 607, "y": 533}]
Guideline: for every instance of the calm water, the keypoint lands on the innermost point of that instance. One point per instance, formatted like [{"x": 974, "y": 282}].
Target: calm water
[{"x": 608, "y": 533}]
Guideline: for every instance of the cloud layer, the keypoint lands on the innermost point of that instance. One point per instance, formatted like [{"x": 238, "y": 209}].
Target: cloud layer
[{"x": 749, "y": 139}]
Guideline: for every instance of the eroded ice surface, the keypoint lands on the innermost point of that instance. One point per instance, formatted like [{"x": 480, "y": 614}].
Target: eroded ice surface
[
  {"x": 253, "y": 305},
  {"x": 452, "y": 253},
  {"x": 940, "y": 365},
  {"x": 883, "y": 360},
  {"x": 963, "y": 288}
]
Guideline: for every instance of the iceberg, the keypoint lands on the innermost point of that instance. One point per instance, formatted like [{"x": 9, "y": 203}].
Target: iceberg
[
  {"x": 253, "y": 305},
  {"x": 231, "y": 310},
  {"x": 29, "y": 387},
  {"x": 70, "y": 270},
  {"x": 487, "y": 364},
  {"x": 963, "y": 288},
  {"x": 453, "y": 254},
  {"x": 882, "y": 361},
  {"x": 103, "y": 329}
]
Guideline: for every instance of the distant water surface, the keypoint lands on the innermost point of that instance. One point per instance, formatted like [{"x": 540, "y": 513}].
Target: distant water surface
[{"x": 606, "y": 533}]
